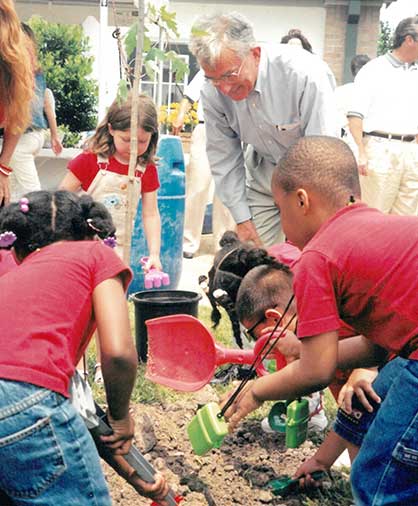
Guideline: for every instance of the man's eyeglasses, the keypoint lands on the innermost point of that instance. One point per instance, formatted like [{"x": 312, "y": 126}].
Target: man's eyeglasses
[{"x": 228, "y": 77}]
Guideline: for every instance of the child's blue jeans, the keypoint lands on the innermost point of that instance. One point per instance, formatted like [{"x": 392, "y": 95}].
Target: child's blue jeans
[
  {"x": 47, "y": 456},
  {"x": 385, "y": 472}
]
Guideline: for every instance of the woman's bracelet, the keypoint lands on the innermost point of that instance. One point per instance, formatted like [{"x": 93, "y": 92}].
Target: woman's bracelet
[{"x": 4, "y": 169}]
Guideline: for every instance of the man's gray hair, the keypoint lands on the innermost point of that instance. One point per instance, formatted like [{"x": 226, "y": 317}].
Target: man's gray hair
[
  {"x": 214, "y": 32},
  {"x": 407, "y": 26}
]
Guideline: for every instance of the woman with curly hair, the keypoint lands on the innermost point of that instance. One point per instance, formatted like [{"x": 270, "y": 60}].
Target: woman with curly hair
[{"x": 16, "y": 89}]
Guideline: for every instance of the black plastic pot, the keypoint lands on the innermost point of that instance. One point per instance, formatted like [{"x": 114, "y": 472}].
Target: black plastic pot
[{"x": 152, "y": 304}]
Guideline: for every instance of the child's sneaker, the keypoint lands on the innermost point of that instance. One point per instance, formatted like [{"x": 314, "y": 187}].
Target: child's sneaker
[
  {"x": 318, "y": 420},
  {"x": 98, "y": 376},
  {"x": 265, "y": 426}
]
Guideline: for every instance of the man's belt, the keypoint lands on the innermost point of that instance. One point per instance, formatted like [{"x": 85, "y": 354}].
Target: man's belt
[{"x": 396, "y": 137}]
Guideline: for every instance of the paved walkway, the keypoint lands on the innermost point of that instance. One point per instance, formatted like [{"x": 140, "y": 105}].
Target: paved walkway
[{"x": 195, "y": 267}]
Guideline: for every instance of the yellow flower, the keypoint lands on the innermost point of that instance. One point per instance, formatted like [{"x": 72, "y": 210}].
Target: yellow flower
[{"x": 167, "y": 115}]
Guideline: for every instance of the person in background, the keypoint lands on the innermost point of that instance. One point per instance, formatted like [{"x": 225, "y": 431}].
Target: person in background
[
  {"x": 344, "y": 93},
  {"x": 25, "y": 176},
  {"x": 102, "y": 172},
  {"x": 199, "y": 181},
  {"x": 16, "y": 90},
  {"x": 266, "y": 97},
  {"x": 295, "y": 37},
  {"x": 383, "y": 120},
  {"x": 50, "y": 113}
]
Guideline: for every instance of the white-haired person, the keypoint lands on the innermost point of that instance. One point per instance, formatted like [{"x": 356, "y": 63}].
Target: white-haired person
[{"x": 265, "y": 96}]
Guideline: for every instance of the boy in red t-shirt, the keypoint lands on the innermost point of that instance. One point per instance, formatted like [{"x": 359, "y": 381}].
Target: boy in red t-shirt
[
  {"x": 262, "y": 298},
  {"x": 359, "y": 266}
]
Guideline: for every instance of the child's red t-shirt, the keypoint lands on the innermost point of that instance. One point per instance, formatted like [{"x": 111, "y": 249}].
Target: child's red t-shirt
[
  {"x": 361, "y": 267},
  {"x": 46, "y": 315},
  {"x": 85, "y": 167},
  {"x": 289, "y": 255}
]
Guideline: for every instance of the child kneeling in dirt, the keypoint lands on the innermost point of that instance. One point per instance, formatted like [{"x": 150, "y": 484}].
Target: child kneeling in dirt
[
  {"x": 256, "y": 286},
  {"x": 262, "y": 298},
  {"x": 66, "y": 284},
  {"x": 359, "y": 266}
]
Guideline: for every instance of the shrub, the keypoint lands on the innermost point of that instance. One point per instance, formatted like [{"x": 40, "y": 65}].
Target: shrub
[{"x": 67, "y": 67}]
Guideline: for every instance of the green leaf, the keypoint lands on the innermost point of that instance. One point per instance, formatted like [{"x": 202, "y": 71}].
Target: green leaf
[
  {"x": 155, "y": 54},
  {"x": 169, "y": 19},
  {"x": 195, "y": 32},
  {"x": 147, "y": 44},
  {"x": 123, "y": 91},
  {"x": 151, "y": 68},
  {"x": 179, "y": 68},
  {"x": 130, "y": 39}
]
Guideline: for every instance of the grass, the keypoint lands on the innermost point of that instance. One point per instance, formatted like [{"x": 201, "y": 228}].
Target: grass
[{"x": 147, "y": 392}]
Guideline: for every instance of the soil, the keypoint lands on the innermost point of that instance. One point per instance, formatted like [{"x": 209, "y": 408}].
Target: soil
[{"x": 235, "y": 474}]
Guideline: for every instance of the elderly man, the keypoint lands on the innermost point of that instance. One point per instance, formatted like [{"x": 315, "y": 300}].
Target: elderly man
[
  {"x": 262, "y": 96},
  {"x": 383, "y": 120}
]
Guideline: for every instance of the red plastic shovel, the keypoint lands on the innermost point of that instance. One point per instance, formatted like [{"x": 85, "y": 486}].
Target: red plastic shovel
[{"x": 183, "y": 355}]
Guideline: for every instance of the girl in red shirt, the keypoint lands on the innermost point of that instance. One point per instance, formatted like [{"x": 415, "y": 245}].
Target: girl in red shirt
[
  {"x": 66, "y": 284},
  {"x": 102, "y": 170}
]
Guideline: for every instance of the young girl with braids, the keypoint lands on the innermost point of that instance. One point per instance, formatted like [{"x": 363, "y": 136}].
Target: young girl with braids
[
  {"x": 102, "y": 170},
  {"x": 16, "y": 89},
  {"x": 232, "y": 263},
  {"x": 67, "y": 283}
]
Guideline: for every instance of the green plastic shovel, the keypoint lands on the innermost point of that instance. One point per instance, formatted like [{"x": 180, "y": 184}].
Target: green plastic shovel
[
  {"x": 286, "y": 485},
  {"x": 206, "y": 429}
]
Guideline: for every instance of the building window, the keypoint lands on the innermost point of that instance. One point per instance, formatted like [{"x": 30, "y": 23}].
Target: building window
[{"x": 168, "y": 90}]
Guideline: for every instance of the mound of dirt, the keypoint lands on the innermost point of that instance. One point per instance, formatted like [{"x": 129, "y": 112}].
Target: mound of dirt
[{"x": 235, "y": 474}]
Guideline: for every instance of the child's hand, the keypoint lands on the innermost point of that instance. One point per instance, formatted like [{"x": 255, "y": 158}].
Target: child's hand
[
  {"x": 304, "y": 472},
  {"x": 123, "y": 432},
  {"x": 156, "y": 491},
  {"x": 359, "y": 383},
  {"x": 288, "y": 345},
  {"x": 244, "y": 404},
  {"x": 153, "y": 262}
]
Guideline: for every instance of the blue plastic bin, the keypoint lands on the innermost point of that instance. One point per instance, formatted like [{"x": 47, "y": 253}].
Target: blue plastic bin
[{"x": 171, "y": 202}]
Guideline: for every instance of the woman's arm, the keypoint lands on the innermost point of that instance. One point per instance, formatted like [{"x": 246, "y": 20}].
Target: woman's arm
[
  {"x": 152, "y": 227},
  {"x": 119, "y": 359},
  {"x": 52, "y": 123},
  {"x": 9, "y": 143}
]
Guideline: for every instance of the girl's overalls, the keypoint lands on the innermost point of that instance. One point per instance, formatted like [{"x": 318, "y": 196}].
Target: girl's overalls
[{"x": 111, "y": 190}]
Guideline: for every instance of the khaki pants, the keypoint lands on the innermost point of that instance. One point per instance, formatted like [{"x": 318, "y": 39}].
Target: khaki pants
[
  {"x": 24, "y": 177},
  {"x": 199, "y": 191},
  {"x": 391, "y": 184}
]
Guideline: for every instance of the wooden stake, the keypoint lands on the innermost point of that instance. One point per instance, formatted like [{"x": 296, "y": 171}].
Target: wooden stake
[{"x": 131, "y": 202}]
